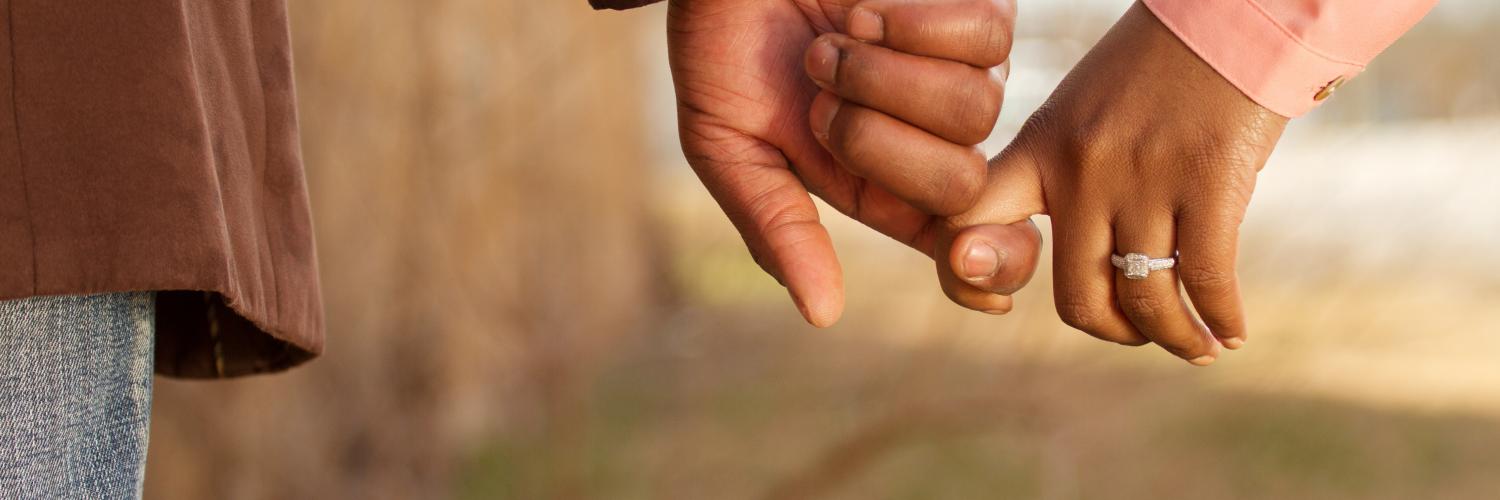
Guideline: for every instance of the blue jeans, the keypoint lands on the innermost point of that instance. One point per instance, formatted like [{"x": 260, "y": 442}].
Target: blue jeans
[{"x": 75, "y": 395}]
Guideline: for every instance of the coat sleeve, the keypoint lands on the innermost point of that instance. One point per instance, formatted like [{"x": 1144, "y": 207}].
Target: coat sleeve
[
  {"x": 1289, "y": 55},
  {"x": 620, "y": 4}
]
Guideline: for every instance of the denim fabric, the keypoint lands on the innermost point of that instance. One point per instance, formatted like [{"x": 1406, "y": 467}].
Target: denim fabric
[{"x": 75, "y": 395}]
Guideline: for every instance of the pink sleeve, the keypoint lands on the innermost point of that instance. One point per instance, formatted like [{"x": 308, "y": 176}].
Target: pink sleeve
[{"x": 1284, "y": 53}]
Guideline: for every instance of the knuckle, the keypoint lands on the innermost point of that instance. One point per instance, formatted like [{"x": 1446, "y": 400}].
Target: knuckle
[
  {"x": 1080, "y": 312},
  {"x": 1088, "y": 143},
  {"x": 993, "y": 31},
  {"x": 847, "y": 133},
  {"x": 988, "y": 43},
  {"x": 979, "y": 107},
  {"x": 1211, "y": 279},
  {"x": 774, "y": 213},
  {"x": 1143, "y": 306},
  {"x": 961, "y": 184}
]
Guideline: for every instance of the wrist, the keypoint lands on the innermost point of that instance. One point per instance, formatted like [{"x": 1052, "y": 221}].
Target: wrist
[
  {"x": 1287, "y": 59},
  {"x": 1142, "y": 73}
]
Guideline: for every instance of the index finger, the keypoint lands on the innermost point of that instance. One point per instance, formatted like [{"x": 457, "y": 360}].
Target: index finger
[
  {"x": 974, "y": 32},
  {"x": 773, "y": 212}
]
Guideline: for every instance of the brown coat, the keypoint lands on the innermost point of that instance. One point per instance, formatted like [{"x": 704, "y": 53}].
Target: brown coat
[{"x": 153, "y": 145}]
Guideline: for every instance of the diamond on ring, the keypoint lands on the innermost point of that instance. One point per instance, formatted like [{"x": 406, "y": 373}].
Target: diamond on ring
[{"x": 1138, "y": 266}]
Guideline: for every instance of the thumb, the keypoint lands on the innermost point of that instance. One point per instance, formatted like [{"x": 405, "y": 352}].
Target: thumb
[{"x": 992, "y": 250}]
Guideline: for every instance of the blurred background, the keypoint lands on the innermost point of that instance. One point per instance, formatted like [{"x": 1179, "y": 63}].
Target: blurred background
[{"x": 530, "y": 296}]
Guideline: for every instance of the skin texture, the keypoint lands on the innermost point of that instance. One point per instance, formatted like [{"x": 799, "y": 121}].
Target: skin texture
[
  {"x": 746, "y": 79},
  {"x": 1143, "y": 148}
]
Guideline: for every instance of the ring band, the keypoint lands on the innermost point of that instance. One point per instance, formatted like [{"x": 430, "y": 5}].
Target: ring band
[{"x": 1138, "y": 266}]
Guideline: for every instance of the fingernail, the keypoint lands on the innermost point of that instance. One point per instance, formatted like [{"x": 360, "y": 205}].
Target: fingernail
[
  {"x": 866, "y": 25},
  {"x": 1203, "y": 360},
  {"x": 1234, "y": 343},
  {"x": 823, "y": 62},
  {"x": 981, "y": 261}
]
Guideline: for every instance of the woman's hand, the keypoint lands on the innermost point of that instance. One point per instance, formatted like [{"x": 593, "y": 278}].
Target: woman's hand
[
  {"x": 743, "y": 101},
  {"x": 1144, "y": 148}
]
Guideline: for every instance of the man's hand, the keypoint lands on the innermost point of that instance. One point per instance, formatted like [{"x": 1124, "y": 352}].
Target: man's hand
[
  {"x": 743, "y": 101},
  {"x": 1143, "y": 148}
]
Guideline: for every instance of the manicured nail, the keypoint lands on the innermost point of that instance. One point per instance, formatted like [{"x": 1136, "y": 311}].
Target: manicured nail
[
  {"x": 823, "y": 62},
  {"x": 1203, "y": 360},
  {"x": 866, "y": 25},
  {"x": 981, "y": 261},
  {"x": 1234, "y": 343}
]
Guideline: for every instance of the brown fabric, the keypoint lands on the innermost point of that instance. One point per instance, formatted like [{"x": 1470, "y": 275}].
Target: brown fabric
[
  {"x": 620, "y": 4},
  {"x": 152, "y": 145}
]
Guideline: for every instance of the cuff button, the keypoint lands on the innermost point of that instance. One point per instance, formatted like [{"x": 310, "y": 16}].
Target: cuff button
[{"x": 1329, "y": 89}]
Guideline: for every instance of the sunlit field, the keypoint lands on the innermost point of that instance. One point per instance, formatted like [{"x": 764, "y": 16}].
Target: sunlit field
[{"x": 1370, "y": 373}]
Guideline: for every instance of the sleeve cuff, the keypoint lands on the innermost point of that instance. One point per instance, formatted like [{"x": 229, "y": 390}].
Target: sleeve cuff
[{"x": 1255, "y": 53}]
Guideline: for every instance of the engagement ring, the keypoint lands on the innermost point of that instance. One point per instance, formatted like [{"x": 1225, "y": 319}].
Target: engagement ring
[{"x": 1138, "y": 266}]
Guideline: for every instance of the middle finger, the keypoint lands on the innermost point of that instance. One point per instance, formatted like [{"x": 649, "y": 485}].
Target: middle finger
[{"x": 1154, "y": 304}]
